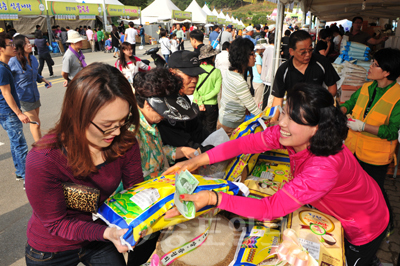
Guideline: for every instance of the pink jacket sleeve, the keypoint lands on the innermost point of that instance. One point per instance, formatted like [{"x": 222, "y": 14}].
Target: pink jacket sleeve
[
  {"x": 250, "y": 144},
  {"x": 313, "y": 183}
]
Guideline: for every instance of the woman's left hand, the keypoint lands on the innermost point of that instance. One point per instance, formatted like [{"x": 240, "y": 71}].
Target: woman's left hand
[{"x": 47, "y": 82}]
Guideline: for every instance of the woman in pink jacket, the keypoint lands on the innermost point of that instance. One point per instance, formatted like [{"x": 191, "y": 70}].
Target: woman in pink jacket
[{"x": 326, "y": 174}]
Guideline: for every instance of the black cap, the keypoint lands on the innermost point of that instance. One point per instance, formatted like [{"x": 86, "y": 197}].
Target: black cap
[
  {"x": 174, "y": 107},
  {"x": 187, "y": 62}
]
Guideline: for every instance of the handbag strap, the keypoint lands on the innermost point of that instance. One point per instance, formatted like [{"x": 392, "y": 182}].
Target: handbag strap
[
  {"x": 166, "y": 47},
  {"x": 204, "y": 80}
]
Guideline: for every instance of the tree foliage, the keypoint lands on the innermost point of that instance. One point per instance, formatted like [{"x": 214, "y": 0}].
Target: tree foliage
[
  {"x": 259, "y": 19},
  {"x": 141, "y": 3}
]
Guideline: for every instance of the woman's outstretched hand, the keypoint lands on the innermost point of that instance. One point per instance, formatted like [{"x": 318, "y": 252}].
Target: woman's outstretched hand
[{"x": 189, "y": 165}]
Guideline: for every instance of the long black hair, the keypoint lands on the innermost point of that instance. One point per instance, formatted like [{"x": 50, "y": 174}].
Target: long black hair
[
  {"x": 20, "y": 42},
  {"x": 239, "y": 53},
  {"x": 313, "y": 105},
  {"x": 122, "y": 60}
]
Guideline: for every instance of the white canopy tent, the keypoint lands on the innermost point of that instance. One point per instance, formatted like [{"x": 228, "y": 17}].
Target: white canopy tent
[
  {"x": 221, "y": 15},
  {"x": 228, "y": 18},
  {"x": 215, "y": 12},
  {"x": 159, "y": 10},
  {"x": 198, "y": 14},
  {"x": 207, "y": 10}
]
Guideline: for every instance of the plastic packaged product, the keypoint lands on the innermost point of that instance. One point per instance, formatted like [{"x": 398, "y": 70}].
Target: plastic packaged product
[
  {"x": 255, "y": 246},
  {"x": 141, "y": 207},
  {"x": 320, "y": 234},
  {"x": 273, "y": 168},
  {"x": 243, "y": 163}
]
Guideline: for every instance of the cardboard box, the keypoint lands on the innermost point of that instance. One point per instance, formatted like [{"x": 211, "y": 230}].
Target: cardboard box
[
  {"x": 321, "y": 234},
  {"x": 347, "y": 91}
]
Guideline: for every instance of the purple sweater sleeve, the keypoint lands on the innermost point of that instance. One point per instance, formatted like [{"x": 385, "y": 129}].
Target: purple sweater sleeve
[{"x": 250, "y": 144}]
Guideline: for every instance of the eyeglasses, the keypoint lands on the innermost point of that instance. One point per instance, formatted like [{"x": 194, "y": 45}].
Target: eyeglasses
[
  {"x": 111, "y": 130},
  {"x": 303, "y": 53},
  {"x": 374, "y": 64},
  {"x": 11, "y": 44}
]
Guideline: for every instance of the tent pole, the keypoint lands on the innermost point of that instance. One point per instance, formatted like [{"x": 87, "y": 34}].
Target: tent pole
[
  {"x": 104, "y": 15},
  {"x": 49, "y": 31},
  {"x": 278, "y": 38}
]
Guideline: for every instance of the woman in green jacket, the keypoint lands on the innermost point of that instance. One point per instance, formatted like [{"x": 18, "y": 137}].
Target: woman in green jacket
[{"x": 207, "y": 89}]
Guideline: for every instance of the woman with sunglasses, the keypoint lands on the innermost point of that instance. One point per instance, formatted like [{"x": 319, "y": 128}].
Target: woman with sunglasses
[
  {"x": 24, "y": 67},
  {"x": 128, "y": 63},
  {"x": 326, "y": 174},
  {"x": 375, "y": 111},
  {"x": 91, "y": 146},
  {"x": 236, "y": 98}
]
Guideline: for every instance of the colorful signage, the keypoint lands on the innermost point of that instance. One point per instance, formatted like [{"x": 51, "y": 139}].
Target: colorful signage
[
  {"x": 70, "y": 11},
  {"x": 181, "y": 15},
  {"x": 212, "y": 19},
  {"x": 11, "y": 9},
  {"x": 221, "y": 21}
]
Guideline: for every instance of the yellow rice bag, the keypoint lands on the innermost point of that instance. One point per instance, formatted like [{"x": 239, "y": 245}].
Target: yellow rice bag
[{"x": 140, "y": 207}]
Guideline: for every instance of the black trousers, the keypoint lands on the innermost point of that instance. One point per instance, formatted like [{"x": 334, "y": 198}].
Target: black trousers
[
  {"x": 378, "y": 173},
  {"x": 143, "y": 250},
  {"x": 181, "y": 45},
  {"x": 209, "y": 117},
  {"x": 133, "y": 48},
  {"x": 49, "y": 61},
  {"x": 362, "y": 255}
]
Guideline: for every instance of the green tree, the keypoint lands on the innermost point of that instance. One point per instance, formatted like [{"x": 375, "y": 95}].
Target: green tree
[
  {"x": 141, "y": 3},
  {"x": 259, "y": 19}
]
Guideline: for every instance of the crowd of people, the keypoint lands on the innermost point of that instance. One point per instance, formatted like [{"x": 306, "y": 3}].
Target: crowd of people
[{"x": 123, "y": 124}]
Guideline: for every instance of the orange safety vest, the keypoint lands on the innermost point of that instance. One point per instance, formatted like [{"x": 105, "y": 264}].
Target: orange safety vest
[{"x": 370, "y": 148}]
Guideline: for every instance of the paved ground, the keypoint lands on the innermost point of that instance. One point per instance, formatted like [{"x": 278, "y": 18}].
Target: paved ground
[{"x": 15, "y": 210}]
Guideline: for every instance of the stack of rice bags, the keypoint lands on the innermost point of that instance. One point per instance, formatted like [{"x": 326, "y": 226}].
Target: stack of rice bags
[
  {"x": 350, "y": 51},
  {"x": 353, "y": 75}
]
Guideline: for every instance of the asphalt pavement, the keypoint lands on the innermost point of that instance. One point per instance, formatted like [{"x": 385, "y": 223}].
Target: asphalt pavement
[{"x": 15, "y": 210}]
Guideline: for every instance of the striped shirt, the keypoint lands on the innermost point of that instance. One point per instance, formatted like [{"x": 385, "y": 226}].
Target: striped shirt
[{"x": 236, "y": 98}]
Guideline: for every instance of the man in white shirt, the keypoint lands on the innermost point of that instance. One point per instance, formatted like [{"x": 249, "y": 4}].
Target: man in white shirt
[
  {"x": 222, "y": 59},
  {"x": 222, "y": 63},
  {"x": 89, "y": 34},
  {"x": 130, "y": 36}
]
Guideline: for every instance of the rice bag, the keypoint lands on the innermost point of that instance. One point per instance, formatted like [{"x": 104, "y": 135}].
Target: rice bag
[
  {"x": 140, "y": 207},
  {"x": 247, "y": 162}
]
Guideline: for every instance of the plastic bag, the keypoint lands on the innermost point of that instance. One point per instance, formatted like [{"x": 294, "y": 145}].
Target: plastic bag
[{"x": 216, "y": 170}]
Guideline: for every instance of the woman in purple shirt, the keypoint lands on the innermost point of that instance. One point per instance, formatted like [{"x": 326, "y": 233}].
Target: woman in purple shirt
[{"x": 90, "y": 146}]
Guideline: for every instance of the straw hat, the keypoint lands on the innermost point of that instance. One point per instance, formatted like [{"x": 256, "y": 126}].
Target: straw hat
[{"x": 74, "y": 37}]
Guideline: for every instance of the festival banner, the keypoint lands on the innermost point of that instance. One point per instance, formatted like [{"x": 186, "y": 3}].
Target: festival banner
[
  {"x": 221, "y": 21},
  {"x": 11, "y": 9},
  {"x": 211, "y": 19},
  {"x": 181, "y": 15},
  {"x": 63, "y": 10}
]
